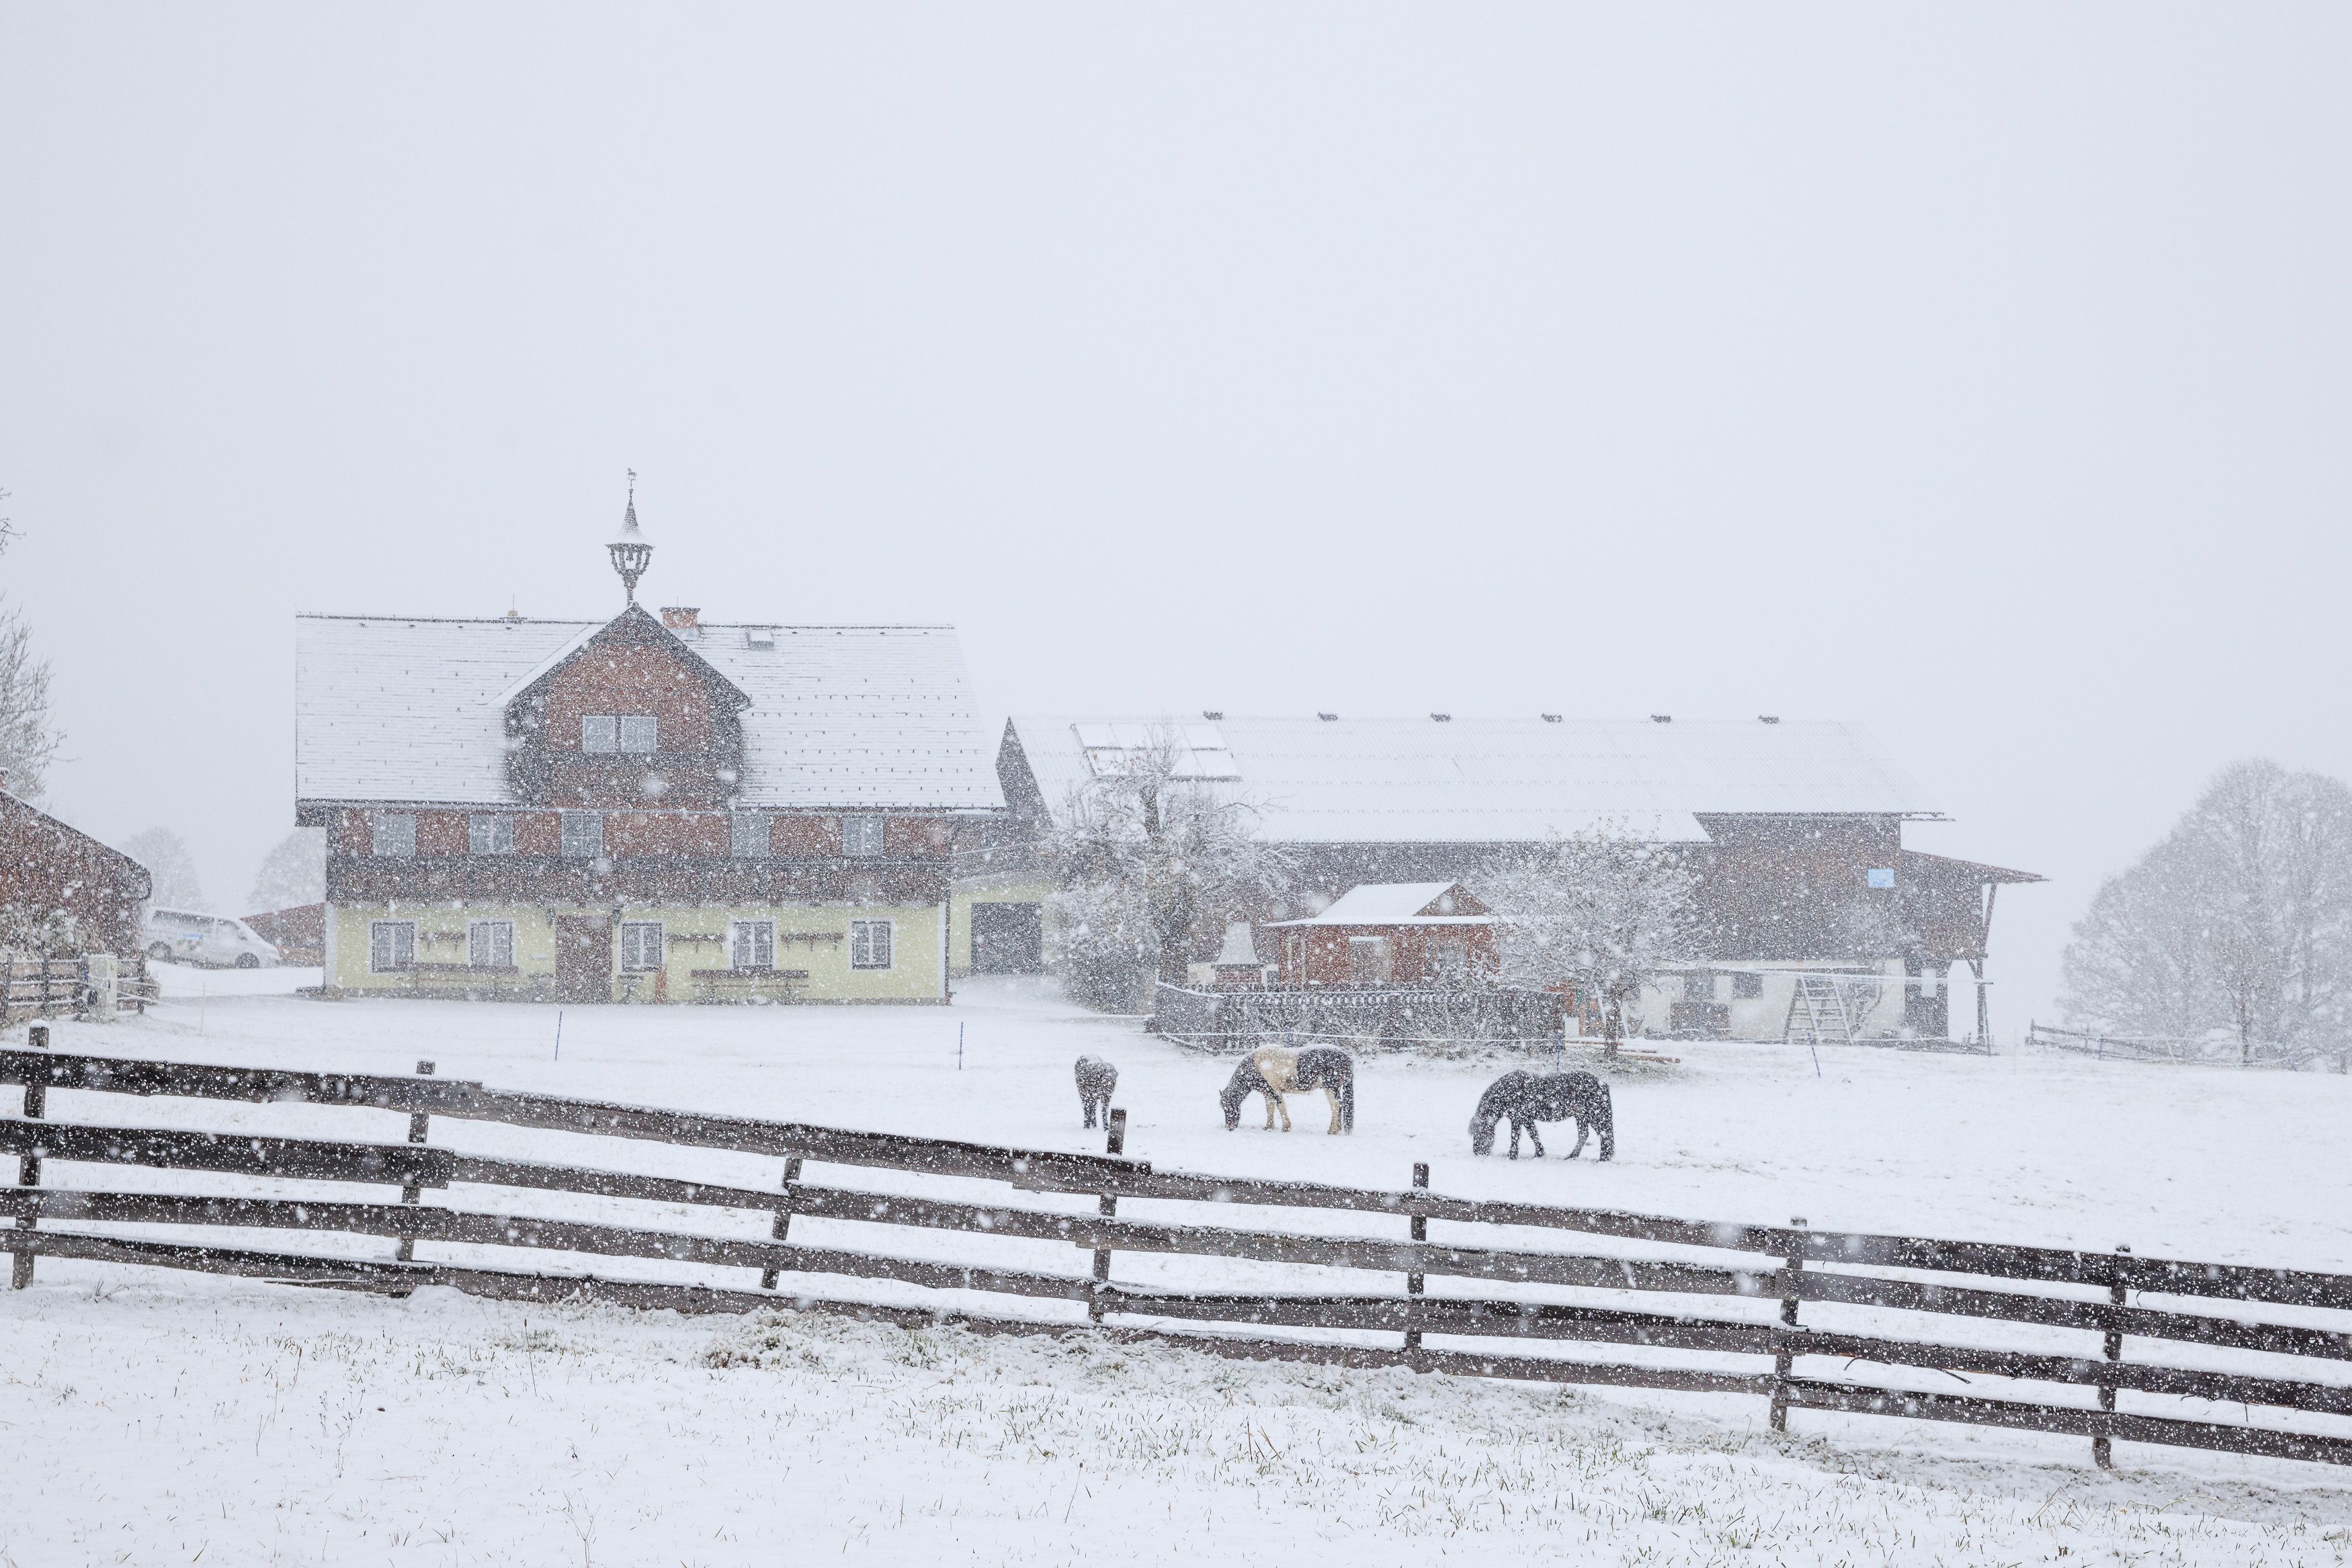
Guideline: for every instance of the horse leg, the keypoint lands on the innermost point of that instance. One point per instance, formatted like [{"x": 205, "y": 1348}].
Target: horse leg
[
  {"x": 1515, "y": 1137},
  {"x": 1580, "y": 1139},
  {"x": 1535, "y": 1136},
  {"x": 1332, "y": 1095}
]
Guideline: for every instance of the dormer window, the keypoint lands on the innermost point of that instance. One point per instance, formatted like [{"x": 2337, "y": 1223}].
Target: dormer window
[{"x": 609, "y": 732}]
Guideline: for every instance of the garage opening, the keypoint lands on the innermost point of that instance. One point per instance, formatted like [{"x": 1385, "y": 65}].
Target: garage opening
[{"x": 1008, "y": 939}]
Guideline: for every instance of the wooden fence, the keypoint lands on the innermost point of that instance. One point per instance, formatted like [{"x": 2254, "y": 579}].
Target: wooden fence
[
  {"x": 1734, "y": 1293},
  {"x": 45, "y": 988},
  {"x": 1245, "y": 1019},
  {"x": 2334, "y": 1055}
]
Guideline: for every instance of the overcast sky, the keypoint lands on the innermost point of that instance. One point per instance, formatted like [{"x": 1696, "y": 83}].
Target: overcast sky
[{"x": 1980, "y": 375}]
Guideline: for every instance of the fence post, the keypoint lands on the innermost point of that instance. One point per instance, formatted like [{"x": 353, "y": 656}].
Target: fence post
[
  {"x": 1413, "y": 1282},
  {"x": 1107, "y": 1206},
  {"x": 2101, "y": 1447},
  {"x": 28, "y": 1164},
  {"x": 414, "y": 1194},
  {"x": 783, "y": 1225},
  {"x": 1784, "y": 1351}
]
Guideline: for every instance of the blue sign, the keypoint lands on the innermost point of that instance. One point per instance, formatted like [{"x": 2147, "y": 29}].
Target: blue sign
[{"x": 1882, "y": 876}]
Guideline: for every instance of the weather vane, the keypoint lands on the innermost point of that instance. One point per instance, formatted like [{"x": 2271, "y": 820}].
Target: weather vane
[{"x": 629, "y": 551}]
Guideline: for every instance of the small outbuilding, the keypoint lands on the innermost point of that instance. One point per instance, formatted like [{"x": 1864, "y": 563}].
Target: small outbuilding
[
  {"x": 62, "y": 893},
  {"x": 1384, "y": 934}
]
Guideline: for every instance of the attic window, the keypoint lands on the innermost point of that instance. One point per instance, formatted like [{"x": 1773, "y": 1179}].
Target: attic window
[
  {"x": 758, "y": 636},
  {"x": 605, "y": 732}
]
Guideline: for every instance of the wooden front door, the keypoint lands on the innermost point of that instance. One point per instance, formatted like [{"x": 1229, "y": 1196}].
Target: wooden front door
[{"x": 583, "y": 959}]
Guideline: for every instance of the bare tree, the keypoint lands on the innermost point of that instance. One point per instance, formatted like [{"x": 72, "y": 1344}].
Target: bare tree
[
  {"x": 294, "y": 872},
  {"x": 1149, "y": 854},
  {"x": 29, "y": 742},
  {"x": 174, "y": 869},
  {"x": 1602, "y": 910},
  {"x": 2239, "y": 920}
]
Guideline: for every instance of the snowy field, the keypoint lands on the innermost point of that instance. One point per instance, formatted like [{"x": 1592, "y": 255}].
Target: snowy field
[{"x": 152, "y": 1418}]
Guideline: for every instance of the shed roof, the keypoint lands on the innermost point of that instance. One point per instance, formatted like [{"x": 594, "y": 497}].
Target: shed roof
[
  {"x": 1394, "y": 903},
  {"x": 1492, "y": 780},
  {"x": 406, "y": 708}
]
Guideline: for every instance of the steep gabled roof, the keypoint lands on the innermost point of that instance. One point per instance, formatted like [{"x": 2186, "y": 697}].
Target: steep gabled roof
[
  {"x": 1491, "y": 781},
  {"x": 632, "y": 625},
  {"x": 401, "y": 708}
]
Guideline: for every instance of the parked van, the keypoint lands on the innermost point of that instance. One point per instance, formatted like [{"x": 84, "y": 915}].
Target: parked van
[{"x": 184, "y": 936}]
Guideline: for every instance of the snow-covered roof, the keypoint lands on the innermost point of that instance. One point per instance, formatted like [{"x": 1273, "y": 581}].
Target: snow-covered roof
[
  {"x": 1392, "y": 904},
  {"x": 407, "y": 709},
  {"x": 1492, "y": 780}
]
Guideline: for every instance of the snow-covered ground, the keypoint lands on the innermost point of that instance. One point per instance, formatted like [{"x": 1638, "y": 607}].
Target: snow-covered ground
[{"x": 154, "y": 1417}]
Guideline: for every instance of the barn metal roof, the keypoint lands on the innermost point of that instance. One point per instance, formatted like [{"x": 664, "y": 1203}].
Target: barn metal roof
[
  {"x": 404, "y": 708},
  {"x": 1492, "y": 780}
]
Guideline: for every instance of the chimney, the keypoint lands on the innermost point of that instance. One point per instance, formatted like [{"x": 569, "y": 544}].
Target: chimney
[{"x": 681, "y": 617}]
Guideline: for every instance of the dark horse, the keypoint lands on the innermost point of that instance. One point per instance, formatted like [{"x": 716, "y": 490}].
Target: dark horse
[
  {"x": 1526, "y": 1098},
  {"x": 1097, "y": 1080}
]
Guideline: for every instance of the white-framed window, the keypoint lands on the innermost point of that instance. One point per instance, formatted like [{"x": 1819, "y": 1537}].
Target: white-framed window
[
  {"x": 393, "y": 833},
  {"x": 641, "y": 945},
  {"x": 751, "y": 944},
  {"x": 862, "y": 836},
  {"x": 489, "y": 833},
  {"x": 747, "y": 836},
  {"x": 392, "y": 945},
  {"x": 489, "y": 943},
  {"x": 584, "y": 834},
  {"x": 869, "y": 944},
  {"x": 608, "y": 732}
]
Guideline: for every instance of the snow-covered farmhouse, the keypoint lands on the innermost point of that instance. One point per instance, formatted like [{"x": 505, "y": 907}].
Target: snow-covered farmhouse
[
  {"x": 1808, "y": 905},
  {"x": 639, "y": 809}
]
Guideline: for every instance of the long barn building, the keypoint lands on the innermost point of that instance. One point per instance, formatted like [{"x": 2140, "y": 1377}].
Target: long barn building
[{"x": 1795, "y": 830}]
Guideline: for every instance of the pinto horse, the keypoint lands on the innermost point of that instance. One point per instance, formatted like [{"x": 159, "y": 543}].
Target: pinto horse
[
  {"x": 1526, "y": 1098},
  {"x": 1275, "y": 1070}
]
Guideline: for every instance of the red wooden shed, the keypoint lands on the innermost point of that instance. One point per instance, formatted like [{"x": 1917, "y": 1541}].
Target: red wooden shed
[{"x": 1388, "y": 933}]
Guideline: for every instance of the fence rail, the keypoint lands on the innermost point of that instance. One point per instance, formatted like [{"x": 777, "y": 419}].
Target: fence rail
[
  {"x": 2187, "y": 1050},
  {"x": 1893, "y": 1303},
  {"x": 1240, "y": 1020}
]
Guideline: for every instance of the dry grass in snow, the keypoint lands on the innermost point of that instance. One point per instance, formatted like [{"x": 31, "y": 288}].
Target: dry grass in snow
[{"x": 153, "y": 1422}]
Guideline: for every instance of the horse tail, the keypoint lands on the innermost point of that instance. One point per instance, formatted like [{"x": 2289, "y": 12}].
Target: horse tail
[
  {"x": 1346, "y": 1095},
  {"x": 1608, "y": 1120}
]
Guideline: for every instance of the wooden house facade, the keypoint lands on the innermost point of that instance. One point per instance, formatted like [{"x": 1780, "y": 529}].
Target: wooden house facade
[{"x": 643, "y": 809}]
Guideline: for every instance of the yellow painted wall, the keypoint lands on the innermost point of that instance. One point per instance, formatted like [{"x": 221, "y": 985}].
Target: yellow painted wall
[
  {"x": 986, "y": 890},
  {"x": 693, "y": 938}
]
